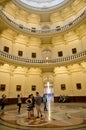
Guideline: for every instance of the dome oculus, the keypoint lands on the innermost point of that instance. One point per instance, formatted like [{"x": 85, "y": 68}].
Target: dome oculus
[{"x": 42, "y": 4}]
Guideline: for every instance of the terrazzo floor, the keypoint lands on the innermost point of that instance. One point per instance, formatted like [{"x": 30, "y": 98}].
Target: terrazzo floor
[{"x": 60, "y": 116}]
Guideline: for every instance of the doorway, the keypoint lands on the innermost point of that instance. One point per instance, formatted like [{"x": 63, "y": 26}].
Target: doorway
[{"x": 48, "y": 91}]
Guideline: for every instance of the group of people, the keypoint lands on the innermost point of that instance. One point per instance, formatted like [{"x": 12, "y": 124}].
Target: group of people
[
  {"x": 63, "y": 99},
  {"x": 33, "y": 102}
]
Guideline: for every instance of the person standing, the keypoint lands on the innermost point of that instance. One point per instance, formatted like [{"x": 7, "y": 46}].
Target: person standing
[
  {"x": 19, "y": 102},
  {"x": 29, "y": 106},
  {"x": 3, "y": 101},
  {"x": 38, "y": 101},
  {"x": 45, "y": 102},
  {"x": 33, "y": 104}
]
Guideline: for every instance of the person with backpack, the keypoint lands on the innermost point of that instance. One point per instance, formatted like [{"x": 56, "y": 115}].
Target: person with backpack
[
  {"x": 38, "y": 101},
  {"x": 45, "y": 102}
]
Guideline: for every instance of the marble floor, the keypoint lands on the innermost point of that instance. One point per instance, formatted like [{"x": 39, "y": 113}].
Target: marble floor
[{"x": 60, "y": 116}]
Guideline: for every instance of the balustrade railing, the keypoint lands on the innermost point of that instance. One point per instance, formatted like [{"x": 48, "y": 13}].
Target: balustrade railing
[
  {"x": 48, "y": 31},
  {"x": 67, "y": 59}
]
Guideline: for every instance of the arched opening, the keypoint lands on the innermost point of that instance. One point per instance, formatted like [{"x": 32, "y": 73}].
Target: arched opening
[{"x": 48, "y": 88}]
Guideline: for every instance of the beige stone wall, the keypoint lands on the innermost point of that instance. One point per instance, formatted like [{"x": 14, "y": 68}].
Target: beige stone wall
[
  {"x": 70, "y": 76},
  {"x": 65, "y": 43},
  {"x": 32, "y": 19},
  {"x": 12, "y": 76}
]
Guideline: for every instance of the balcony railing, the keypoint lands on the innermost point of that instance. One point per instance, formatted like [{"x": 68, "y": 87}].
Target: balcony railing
[
  {"x": 42, "y": 32},
  {"x": 63, "y": 60}
]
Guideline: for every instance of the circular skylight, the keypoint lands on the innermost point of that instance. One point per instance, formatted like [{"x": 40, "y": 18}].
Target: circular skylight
[{"x": 42, "y": 4}]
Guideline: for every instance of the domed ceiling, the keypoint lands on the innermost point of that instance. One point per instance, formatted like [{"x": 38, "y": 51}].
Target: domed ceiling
[{"x": 42, "y": 4}]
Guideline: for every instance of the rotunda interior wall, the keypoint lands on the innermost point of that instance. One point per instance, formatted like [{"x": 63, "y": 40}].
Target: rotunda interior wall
[
  {"x": 4, "y": 80},
  {"x": 28, "y": 45},
  {"x": 59, "y": 18},
  {"x": 70, "y": 82},
  {"x": 21, "y": 39},
  {"x": 81, "y": 31},
  {"x": 65, "y": 80},
  {"x": 19, "y": 14},
  {"x": 13, "y": 76},
  {"x": 78, "y": 5},
  {"x": 84, "y": 42},
  {"x": 27, "y": 77},
  {"x": 20, "y": 76},
  {"x": 65, "y": 17},
  {"x": 66, "y": 49},
  {"x": 33, "y": 18}
]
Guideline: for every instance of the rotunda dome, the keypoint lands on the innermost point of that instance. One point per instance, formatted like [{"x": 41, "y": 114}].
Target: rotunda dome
[{"x": 42, "y": 5}]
